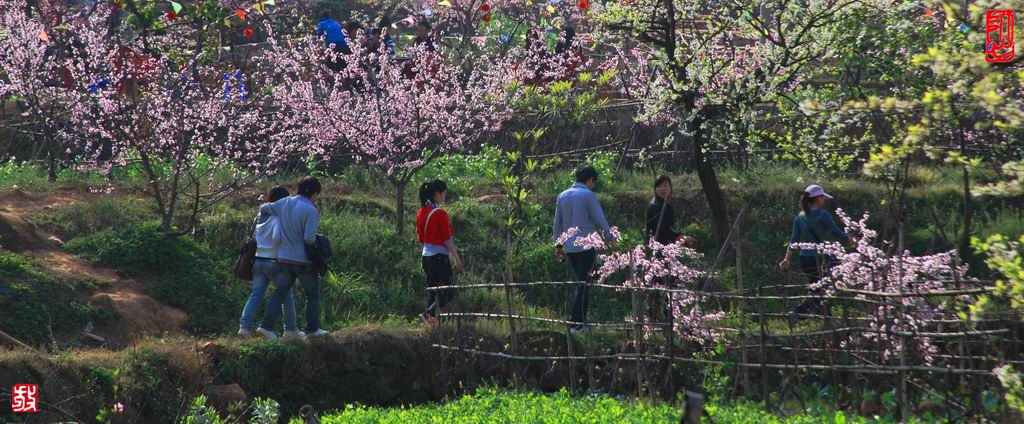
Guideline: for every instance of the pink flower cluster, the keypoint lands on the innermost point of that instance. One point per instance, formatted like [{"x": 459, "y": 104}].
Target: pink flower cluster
[
  {"x": 657, "y": 266},
  {"x": 869, "y": 268}
]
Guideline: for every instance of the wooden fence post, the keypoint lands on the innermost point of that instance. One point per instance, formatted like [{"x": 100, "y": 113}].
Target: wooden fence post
[
  {"x": 638, "y": 314},
  {"x": 741, "y": 304},
  {"x": 508, "y": 305}
]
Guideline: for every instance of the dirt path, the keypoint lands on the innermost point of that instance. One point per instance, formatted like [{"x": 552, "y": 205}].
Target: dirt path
[{"x": 138, "y": 314}]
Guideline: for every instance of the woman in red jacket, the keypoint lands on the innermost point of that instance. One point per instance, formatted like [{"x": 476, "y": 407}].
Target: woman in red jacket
[{"x": 434, "y": 232}]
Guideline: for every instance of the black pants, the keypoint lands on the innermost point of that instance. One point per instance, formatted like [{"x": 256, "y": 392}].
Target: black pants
[
  {"x": 813, "y": 267},
  {"x": 338, "y": 63},
  {"x": 582, "y": 265},
  {"x": 439, "y": 273}
]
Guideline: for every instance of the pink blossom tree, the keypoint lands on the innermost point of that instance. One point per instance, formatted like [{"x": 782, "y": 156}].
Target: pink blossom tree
[
  {"x": 189, "y": 126},
  {"x": 31, "y": 73},
  {"x": 395, "y": 117},
  {"x": 869, "y": 268},
  {"x": 657, "y": 267},
  {"x": 712, "y": 64}
]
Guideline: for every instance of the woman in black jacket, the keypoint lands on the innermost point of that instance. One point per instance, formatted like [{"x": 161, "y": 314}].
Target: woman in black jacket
[
  {"x": 660, "y": 220},
  {"x": 660, "y": 216}
]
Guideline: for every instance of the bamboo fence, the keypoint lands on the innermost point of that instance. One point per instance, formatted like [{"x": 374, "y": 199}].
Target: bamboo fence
[{"x": 760, "y": 344}]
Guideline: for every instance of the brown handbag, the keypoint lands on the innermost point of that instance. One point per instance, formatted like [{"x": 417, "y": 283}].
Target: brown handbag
[{"x": 246, "y": 256}]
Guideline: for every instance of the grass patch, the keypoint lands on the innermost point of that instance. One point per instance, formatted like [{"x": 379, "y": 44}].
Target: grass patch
[
  {"x": 39, "y": 308},
  {"x": 181, "y": 272},
  {"x": 104, "y": 213}
]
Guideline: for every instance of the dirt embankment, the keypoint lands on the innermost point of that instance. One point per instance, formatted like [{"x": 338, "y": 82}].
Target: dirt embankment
[{"x": 136, "y": 314}]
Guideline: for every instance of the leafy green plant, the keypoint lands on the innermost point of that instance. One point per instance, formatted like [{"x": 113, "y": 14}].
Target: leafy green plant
[
  {"x": 265, "y": 411},
  {"x": 463, "y": 173},
  {"x": 200, "y": 413},
  {"x": 181, "y": 271}
]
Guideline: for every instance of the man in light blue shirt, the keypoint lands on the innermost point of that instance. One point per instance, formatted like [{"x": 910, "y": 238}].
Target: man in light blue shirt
[
  {"x": 579, "y": 208},
  {"x": 299, "y": 219}
]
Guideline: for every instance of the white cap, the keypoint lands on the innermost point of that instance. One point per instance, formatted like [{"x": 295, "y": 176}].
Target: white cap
[{"x": 815, "y": 190}]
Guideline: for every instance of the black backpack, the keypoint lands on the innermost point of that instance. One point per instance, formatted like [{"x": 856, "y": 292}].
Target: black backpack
[{"x": 319, "y": 253}]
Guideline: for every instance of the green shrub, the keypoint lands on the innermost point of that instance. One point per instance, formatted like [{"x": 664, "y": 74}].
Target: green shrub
[
  {"x": 107, "y": 212},
  {"x": 464, "y": 174},
  {"x": 36, "y": 307},
  {"x": 180, "y": 272}
]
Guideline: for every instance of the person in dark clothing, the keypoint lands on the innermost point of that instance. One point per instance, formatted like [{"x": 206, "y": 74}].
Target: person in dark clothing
[
  {"x": 381, "y": 36},
  {"x": 354, "y": 29},
  {"x": 661, "y": 216},
  {"x": 813, "y": 224},
  {"x": 565, "y": 43},
  {"x": 423, "y": 35},
  {"x": 334, "y": 38},
  {"x": 434, "y": 232},
  {"x": 571, "y": 56},
  {"x": 660, "y": 223}
]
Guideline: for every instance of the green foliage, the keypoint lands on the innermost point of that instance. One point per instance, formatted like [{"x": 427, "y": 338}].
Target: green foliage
[
  {"x": 32, "y": 176},
  {"x": 1004, "y": 257},
  {"x": 265, "y": 411},
  {"x": 200, "y": 413},
  {"x": 181, "y": 272},
  {"x": 497, "y": 406},
  {"x": 463, "y": 173},
  {"x": 36, "y": 307},
  {"x": 79, "y": 219}
]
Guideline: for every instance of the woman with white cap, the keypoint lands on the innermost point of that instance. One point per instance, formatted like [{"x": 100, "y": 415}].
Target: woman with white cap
[{"x": 813, "y": 224}]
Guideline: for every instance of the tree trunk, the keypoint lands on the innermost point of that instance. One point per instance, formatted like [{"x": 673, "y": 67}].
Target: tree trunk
[
  {"x": 709, "y": 184},
  {"x": 166, "y": 219},
  {"x": 51, "y": 162},
  {"x": 399, "y": 205},
  {"x": 968, "y": 212}
]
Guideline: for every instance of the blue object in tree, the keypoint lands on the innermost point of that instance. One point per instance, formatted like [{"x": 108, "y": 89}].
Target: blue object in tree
[
  {"x": 229, "y": 86},
  {"x": 964, "y": 27},
  {"x": 100, "y": 83}
]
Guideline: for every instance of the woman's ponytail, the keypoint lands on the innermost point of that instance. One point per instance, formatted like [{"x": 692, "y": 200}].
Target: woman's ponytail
[
  {"x": 428, "y": 189},
  {"x": 425, "y": 195},
  {"x": 805, "y": 202}
]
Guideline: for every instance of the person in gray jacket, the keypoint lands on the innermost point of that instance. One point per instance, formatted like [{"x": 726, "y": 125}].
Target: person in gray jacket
[
  {"x": 300, "y": 220},
  {"x": 579, "y": 208}
]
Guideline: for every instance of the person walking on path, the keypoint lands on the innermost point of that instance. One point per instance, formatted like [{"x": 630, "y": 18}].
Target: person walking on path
[
  {"x": 434, "y": 232},
  {"x": 579, "y": 208},
  {"x": 265, "y": 268},
  {"x": 813, "y": 224},
  {"x": 300, "y": 220}
]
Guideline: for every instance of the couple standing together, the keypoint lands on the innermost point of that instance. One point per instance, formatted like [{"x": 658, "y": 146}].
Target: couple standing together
[{"x": 285, "y": 232}]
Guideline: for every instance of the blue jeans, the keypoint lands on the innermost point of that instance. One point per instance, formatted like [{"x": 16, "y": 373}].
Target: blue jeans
[
  {"x": 263, "y": 272},
  {"x": 284, "y": 281}
]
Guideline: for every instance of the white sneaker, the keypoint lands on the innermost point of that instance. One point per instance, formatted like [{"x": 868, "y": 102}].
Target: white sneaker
[
  {"x": 293, "y": 333},
  {"x": 245, "y": 333},
  {"x": 319, "y": 333},
  {"x": 266, "y": 333}
]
